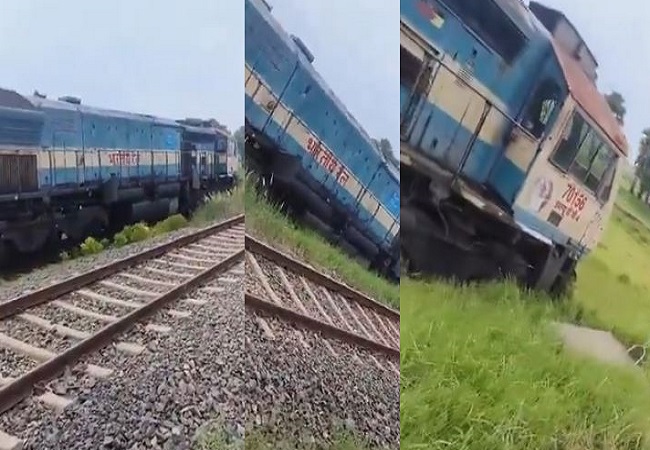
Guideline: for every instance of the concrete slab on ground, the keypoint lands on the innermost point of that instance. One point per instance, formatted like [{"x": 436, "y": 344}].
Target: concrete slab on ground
[{"x": 598, "y": 344}]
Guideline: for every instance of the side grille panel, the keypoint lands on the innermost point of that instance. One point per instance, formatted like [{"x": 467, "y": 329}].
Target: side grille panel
[{"x": 18, "y": 174}]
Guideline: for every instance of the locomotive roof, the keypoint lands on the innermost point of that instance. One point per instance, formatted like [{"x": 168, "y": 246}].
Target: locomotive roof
[
  {"x": 205, "y": 130},
  {"x": 59, "y": 104},
  {"x": 12, "y": 99},
  {"x": 277, "y": 27},
  {"x": 553, "y": 17},
  {"x": 585, "y": 93}
]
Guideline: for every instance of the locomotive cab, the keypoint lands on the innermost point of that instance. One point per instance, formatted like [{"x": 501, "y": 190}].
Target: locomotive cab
[
  {"x": 508, "y": 152},
  {"x": 570, "y": 188}
]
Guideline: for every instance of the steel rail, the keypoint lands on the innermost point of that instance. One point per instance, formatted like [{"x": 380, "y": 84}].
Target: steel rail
[
  {"x": 23, "y": 386},
  {"x": 255, "y": 246},
  {"x": 316, "y": 325},
  {"x": 19, "y": 304}
]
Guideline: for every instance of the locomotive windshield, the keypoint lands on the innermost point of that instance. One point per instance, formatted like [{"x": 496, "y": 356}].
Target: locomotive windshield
[{"x": 587, "y": 157}]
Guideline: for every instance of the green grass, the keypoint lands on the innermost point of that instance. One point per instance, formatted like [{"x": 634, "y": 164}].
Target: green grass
[
  {"x": 256, "y": 440},
  {"x": 215, "y": 438},
  {"x": 613, "y": 284},
  {"x": 481, "y": 369},
  {"x": 222, "y": 206},
  {"x": 266, "y": 222}
]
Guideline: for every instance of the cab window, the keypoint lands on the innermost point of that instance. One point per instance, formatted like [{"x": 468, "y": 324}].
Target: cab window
[
  {"x": 586, "y": 157},
  {"x": 541, "y": 107}
]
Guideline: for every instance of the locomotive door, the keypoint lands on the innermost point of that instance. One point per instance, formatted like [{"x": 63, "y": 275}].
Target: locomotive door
[
  {"x": 441, "y": 112},
  {"x": 417, "y": 64},
  {"x": 524, "y": 138},
  {"x": 187, "y": 162},
  {"x": 524, "y": 141}
]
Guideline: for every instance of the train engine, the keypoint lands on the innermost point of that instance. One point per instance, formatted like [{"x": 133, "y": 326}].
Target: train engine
[
  {"x": 210, "y": 148},
  {"x": 316, "y": 158},
  {"x": 69, "y": 170},
  {"x": 509, "y": 154}
]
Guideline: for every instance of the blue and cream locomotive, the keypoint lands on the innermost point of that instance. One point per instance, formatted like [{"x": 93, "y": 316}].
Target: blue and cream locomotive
[
  {"x": 509, "y": 154},
  {"x": 68, "y": 170},
  {"x": 316, "y": 156}
]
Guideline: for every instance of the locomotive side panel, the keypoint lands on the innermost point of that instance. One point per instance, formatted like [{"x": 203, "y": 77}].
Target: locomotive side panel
[
  {"x": 85, "y": 146},
  {"x": 21, "y": 126},
  {"x": 339, "y": 148},
  {"x": 461, "y": 112}
]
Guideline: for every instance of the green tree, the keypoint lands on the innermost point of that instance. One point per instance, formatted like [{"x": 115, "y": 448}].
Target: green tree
[
  {"x": 642, "y": 168},
  {"x": 617, "y": 105}
]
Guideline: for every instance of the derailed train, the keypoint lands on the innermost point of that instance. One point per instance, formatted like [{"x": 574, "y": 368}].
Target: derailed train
[
  {"x": 314, "y": 154},
  {"x": 69, "y": 170},
  {"x": 510, "y": 156}
]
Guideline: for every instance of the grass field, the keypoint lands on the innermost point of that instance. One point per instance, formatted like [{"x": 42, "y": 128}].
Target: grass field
[
  {"x": 220, "y": 207},
  {"x": 481, "y": 368},
  {"x": 613, "y": 283}
]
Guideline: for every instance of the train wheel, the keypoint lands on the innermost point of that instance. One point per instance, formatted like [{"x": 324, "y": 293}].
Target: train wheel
[
  {"x": 405, "y": 264},
  {"x": 564, "y": 286},
  {"x": 97, "y": 228},
  {"x": 4, "y": 254}
]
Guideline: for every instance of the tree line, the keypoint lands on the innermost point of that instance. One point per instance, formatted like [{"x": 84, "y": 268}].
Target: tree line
[{"x": 641, "y": 182}]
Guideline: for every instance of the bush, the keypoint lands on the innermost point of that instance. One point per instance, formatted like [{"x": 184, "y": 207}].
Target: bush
[
  {"x": 120, "y": 239},
  {"x": 220, "y": 207},
  {"x": 91, "y": 246},
  {"x": 172, "y": 223},
  {"x": 138, "y": 232}
]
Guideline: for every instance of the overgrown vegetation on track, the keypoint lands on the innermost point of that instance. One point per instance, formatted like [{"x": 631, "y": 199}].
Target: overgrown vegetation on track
[
  {"x": 265, "y": 221},
  {"x": 481, "y": 367},
  {"x": 216, "y": 439}
]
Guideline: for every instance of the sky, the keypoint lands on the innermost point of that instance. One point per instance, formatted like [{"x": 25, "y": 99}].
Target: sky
[
  {"x": 356, "y": 50},
  {"x": 168, "y": 58},
  {"x": 619, "y": 37},
  {"x": 185, "y": 59}
]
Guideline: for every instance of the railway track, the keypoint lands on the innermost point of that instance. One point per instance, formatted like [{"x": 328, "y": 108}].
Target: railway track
[
  {"x": 283, "y": 287},
  {"x": 320, "y": 355},
  {"x": 54, "y": 332}
]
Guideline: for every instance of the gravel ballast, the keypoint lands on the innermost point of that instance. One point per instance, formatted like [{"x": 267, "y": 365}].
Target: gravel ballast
[
  {"x": 52, "y": 273},
  {"x": 309, "y": 395},
  {"x": 161, "y": 399}
]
